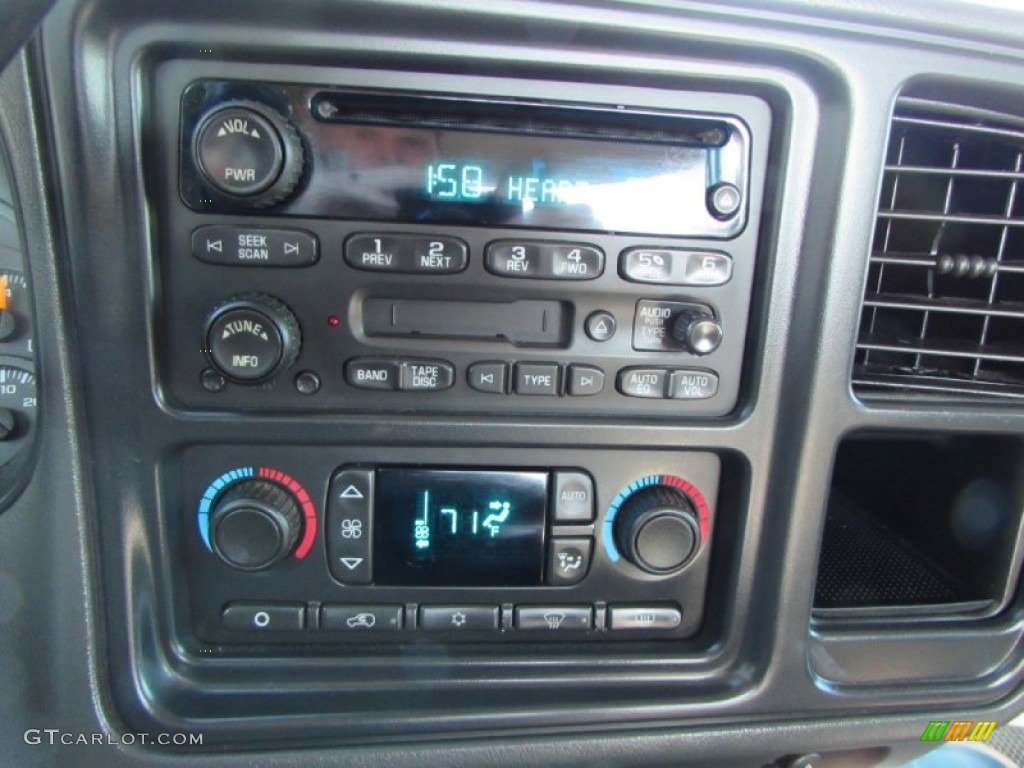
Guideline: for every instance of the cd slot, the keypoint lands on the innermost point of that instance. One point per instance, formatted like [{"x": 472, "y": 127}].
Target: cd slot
[
  {"x": 537, "y": 119},
  {"x": 524, "y": 323}
]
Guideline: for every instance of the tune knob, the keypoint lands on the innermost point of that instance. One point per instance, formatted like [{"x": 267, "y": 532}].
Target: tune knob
[
  {"x": 657, "y": 529},
  {"x": 249, "y": 153},
  {"x": 251, "y": 337},
  {"x": 254, "y": 524},
  {"x": 699, "y": 332}
]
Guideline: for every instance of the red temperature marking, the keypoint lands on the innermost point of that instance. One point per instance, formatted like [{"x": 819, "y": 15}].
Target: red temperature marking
[{"x": 308, "y": 510}]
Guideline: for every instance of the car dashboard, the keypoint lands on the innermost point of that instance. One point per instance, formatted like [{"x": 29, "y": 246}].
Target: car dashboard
[{"x": 539, "y": 383}]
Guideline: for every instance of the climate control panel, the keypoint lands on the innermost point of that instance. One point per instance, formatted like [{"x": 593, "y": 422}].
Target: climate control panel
[{"x": 489, "y": 546}]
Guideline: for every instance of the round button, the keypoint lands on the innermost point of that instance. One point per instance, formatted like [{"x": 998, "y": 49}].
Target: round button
[
  {"x": 251, "y": 336},
  {"x": 247, "y": 537},
  {"x": 600, "y": 325},
  {"x": 254, "y": 524},
  {"x": 665, "y": 542},
  {"x": 307, "y": 382},
  {"x": 724, "y": 200},
  {"x": 699, "y": 332},
  {"x": 239, "y": 151},
  {"x": 245, "y": 344},
  {"x": 657, "y": 529}
]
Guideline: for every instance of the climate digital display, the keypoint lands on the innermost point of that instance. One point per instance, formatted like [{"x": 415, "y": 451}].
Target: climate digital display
[{"x": 452, "y": 528}]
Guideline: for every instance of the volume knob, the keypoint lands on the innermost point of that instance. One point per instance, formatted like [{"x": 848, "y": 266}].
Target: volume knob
[
  {"x": 254, "y": 524},
  {"x": 252, "y": 336},
  {"x": 249, "y": 153}
]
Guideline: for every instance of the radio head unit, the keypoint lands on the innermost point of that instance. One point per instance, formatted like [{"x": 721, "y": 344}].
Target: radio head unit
[{"x": 372, "y": 249}]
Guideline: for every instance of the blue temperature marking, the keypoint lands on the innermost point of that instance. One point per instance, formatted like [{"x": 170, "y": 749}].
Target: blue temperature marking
[
  {"x": 613, "y": 510},
  {"x": 210, "y": 494}
]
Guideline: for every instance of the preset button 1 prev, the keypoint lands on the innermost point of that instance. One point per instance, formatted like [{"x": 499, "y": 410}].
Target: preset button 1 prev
[{"x": 418, "y": 254}]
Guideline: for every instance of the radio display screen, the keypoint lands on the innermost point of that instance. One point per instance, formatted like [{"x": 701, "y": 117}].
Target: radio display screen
[
  {"x": 541, "y": 169},
  {"x": 454, "y": 528}
]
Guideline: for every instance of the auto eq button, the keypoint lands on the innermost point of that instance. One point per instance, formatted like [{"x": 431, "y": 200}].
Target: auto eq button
[{"x": 643, "y": 382}]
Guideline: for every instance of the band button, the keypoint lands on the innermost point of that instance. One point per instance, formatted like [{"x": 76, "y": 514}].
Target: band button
[{"x": 369, "y": 373}]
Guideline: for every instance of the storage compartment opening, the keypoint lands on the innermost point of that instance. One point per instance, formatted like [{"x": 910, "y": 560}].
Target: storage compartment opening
[{"x": 921, "y": 525}]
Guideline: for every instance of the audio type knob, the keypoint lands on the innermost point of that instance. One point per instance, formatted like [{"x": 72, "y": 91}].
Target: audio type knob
[
  {"x": 699, "y": 332},
  {"x": 251, "y": 337},
  {"x": 657, "y": 529},
  {"x": 249, "y": 153},
  {"x": 254, "y": 524}
]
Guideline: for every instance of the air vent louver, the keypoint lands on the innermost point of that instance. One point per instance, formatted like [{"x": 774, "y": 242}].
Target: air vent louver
[{"x": 944, "y": 302}]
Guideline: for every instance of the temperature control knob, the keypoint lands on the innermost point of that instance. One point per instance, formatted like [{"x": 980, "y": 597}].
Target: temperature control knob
[
  {"x": 249, "y": 153},
  {"x": 698, "y": 331},
  {"x": 657, "y": 529},
  {"x": 252, "y": 336},
  {"x": 254, "y": 524}
]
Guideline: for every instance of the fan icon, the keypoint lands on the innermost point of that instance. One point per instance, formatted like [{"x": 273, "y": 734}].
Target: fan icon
[{"x": 458, "y": 619}]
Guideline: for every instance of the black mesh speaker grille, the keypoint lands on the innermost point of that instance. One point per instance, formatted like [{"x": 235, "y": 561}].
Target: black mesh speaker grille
[{"x": 864, "y": 564}]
